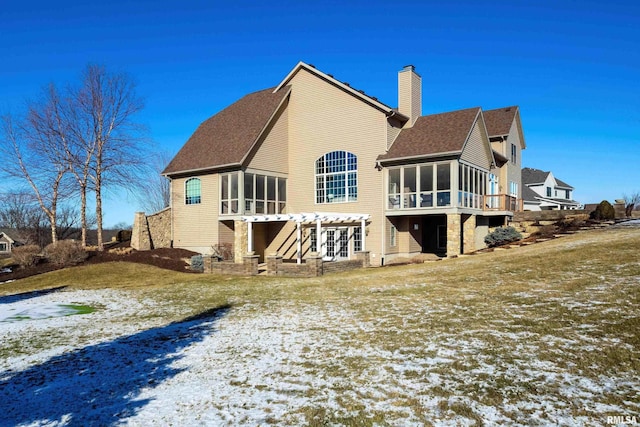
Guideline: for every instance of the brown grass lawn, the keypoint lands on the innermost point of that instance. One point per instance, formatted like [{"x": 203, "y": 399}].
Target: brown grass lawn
[{"x": 546, "y": 334}]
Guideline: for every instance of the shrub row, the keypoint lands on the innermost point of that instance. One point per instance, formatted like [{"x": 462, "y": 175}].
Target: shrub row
[{"x": 64, "y": 252}]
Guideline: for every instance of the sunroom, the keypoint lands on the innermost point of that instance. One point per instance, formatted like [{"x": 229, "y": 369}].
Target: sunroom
[
  {"x": 252, "y": 192},
  {"x": 438, "y": 187}
]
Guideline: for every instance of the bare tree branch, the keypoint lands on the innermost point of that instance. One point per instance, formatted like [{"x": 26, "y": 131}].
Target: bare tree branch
[
  {"x": 156, "y": 194},
  {"x": 630, "y": 202},
  {"x": 106, "y": 104}
]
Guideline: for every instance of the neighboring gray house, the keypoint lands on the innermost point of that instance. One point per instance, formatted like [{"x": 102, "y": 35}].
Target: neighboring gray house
[
  {"x": 6, "y": 244},
  {"x": 543, "y": 191}
]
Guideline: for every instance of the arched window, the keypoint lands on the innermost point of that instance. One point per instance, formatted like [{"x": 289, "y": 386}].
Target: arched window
[
  {"x": 337, "y": 177},
  {"x": 192, "y": 191}
]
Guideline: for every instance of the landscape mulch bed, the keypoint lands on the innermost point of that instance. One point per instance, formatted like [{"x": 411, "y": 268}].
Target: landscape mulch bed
[{"x": 167, "y": 258}]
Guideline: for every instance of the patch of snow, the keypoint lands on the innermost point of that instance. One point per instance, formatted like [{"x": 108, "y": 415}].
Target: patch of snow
[
  {"x": 20, "y": 312},
  {"x": 254, "y": 366}
]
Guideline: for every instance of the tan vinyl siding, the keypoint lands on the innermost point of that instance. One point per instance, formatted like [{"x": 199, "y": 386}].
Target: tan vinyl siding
[
  {"x": 410, "y": 95},
  {"x": 415, "y": 236},
  {"x": 195, "y": 227},
  {"x": 514, "y": 173},
  {"x": 323, "y": 118},
  {"x": 271, "y": 154},
  {"x": 409, "y": 240},
  {"x": 397, "y": 223},
  {"x": 283, "y": 239},
  {"x": 498, "y": 147},
  {"x": 393, "y": 129},
  {"x": 225, "y": 232},
  {"x": 476, "y": 150}
]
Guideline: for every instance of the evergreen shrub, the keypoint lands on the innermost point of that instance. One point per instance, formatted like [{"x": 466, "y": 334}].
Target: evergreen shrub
[
  {"x": 604, "y": 211},
  {"x": 197, "y": 263},
  {"x": 502, "y": 235}
]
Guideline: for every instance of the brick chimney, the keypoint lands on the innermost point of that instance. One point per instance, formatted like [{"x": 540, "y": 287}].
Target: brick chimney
[{"x": 410, "y": 94}]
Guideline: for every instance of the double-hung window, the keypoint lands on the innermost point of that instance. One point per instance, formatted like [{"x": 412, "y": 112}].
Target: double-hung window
[
  {"x": 357, "y": 239},
  {"x": 513, "y": 188}
]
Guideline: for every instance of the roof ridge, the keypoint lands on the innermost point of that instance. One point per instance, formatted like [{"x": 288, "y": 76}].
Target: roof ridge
[{"x": 452, "y": 111}]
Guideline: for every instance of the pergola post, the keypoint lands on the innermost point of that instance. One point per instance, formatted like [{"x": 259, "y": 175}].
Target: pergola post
[
  {"x": 249, "y": 236},
  {"x": 363, "y": 224},
  {"x": 299, "y": 241},
  {"x": 319, "y": 236}
]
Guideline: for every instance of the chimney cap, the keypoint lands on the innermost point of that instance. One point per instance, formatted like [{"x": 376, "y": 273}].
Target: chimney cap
[{"x": 408, "y": 68}]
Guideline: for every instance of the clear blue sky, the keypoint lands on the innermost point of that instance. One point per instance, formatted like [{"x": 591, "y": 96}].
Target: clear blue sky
[{"x": 573, "y": 67}]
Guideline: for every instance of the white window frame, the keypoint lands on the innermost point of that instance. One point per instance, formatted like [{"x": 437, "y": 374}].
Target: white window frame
[
  {"x": 349, "y": 173},
  {"x": 513, "y": 188},
  {"x": 229, "y": 200},
  {"x": 393, "y": 236},
  {"x": 278, "y": 202},
  {"x": 357, "y": 239},
  {"x": 186, "y": 192}
]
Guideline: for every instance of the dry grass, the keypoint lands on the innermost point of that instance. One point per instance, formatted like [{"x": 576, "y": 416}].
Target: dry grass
[{"x": 547, "y": 332}]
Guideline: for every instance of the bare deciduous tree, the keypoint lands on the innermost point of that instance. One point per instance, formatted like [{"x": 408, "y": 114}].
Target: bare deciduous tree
[
  {"x": 630, "y": 202},
  {"x": 32, "y": 151},
  {"x": 87, "y": 136},
  {"x": 20, "y": 213},
  {"x": 105, "y": 106},
  {"x": 156, "y": 194}
]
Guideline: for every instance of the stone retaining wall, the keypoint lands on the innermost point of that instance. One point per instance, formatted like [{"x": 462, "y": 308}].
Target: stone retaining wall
[
  {"x": 555, "y": 215},
  {"x": 248, "y": 266},
  {"x": 312, "y": 266},
  {"x": 152, "y": 231}
]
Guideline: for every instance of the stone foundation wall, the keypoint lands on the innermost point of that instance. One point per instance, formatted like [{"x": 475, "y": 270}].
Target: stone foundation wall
[
  {"x": 453, "y": 234},
  {"x": 240, "y": 240},
  {"x": 469, "y": 233}
]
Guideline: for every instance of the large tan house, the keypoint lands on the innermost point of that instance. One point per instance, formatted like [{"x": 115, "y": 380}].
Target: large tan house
[{"x": 315, "y": 165}]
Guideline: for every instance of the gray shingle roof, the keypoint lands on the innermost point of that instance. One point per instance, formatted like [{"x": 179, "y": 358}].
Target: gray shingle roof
[
  {"x": 499, "y": 121},
  {"x": 529, "y": 195},
  {"x": 533, "y": 176},
  {"x": 563, "y": 184},
  {"x": 433, "y": 134},
  {"x": 227, "y": 137}
]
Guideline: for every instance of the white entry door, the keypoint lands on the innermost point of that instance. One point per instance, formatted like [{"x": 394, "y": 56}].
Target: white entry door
[
  {"x": 493, "y": 202},
  {"x": 335, "y": 244}
]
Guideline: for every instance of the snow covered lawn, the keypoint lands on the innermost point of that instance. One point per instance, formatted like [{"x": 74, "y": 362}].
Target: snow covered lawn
[{"x": 461, "y": 342}]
